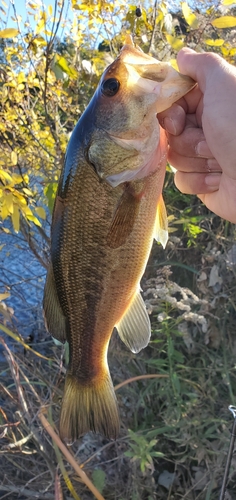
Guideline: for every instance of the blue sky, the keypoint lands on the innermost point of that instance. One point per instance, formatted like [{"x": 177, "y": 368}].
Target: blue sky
[{"x": 22, "y": 9}]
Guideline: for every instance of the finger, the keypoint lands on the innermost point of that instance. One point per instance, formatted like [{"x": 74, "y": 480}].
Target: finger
[
  {"x": 222, "y": 200},
  {"x": 190, "y": 101},
  {"x": 197, "y": 183},
  {"x": 191, "y": 143},
  {"x": 192, "y": 165},
  {"x": 173, "y": 119},
  {"x": 198, "y": 66}
]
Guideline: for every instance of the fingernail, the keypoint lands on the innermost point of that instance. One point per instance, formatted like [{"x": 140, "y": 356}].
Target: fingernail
[
  {"x": 169, "y": 125},
  {"x": 202, "y": 149},
  {"x": 212, "y": 180}
]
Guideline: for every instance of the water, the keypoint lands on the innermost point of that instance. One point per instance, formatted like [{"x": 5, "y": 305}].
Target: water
[{"x": 23, "y": 276}]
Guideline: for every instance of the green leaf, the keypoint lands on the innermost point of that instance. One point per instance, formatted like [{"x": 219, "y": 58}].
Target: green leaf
[
  {"x": 157, "y": 454},
  {"x": 9, "y": 33},
  {"x": 99, "y": 479},
  {"x": 40, "y": 212},
  {"x": 176, "y": 383},
  {"x": 224, "y": 22},
  {"x": 62, "y": 63},
  {"x": 50, "y": 193}
]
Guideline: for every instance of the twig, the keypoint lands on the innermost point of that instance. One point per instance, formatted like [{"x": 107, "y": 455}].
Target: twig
[
  {"x": 17, "y": 444},
  {"x": 69, "y": 457},
  {"x": 28, "y": 493},
  {"x": 154, "y": 25},
  {"x": 25, "y": 416},
  {"x": 139, "y": 377},
  {"x": 62, "y": 468},
  {"x": 229, "y": 455}
]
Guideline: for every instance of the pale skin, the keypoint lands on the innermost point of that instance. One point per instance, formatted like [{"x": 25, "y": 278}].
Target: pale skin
[{"x": 201, "y": 130}]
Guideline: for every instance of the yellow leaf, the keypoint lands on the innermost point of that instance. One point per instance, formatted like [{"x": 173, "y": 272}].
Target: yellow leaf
[
  {"x": 40, "y": 212},
  {"x": 175, "y": 43},
  {"x": 9, "y": 33},
  {"x": 15, "y": 217},
  {"x": 4, "y": 212},
  {"x": 224, "y": 22},
  {"x": 14, "y": 158},
  {"x": 5, "y": 176},
  {"x": 174, "y": 64},
  {"x": 21, "y": 77},
  {"x": 39, "y": 40},
  {"x": 190, "y": 18},
  {"x": 50, "y": 10},
  {"x": 30, "y": 216},
  {"x": 214, "y": 43},
  {"x": 228, "y": 2},
  {"x": 16, "y": 179},
  {"x": 40, "y": 26},
  {"x": 8, "y": 201},
  {"x": 18, "y": 339},
  {"x": 33, "y": 6},
  {"x": 28, "y": 192},
  {"x": 225, "y": 51},
  {"x": 4, "y": 296}
]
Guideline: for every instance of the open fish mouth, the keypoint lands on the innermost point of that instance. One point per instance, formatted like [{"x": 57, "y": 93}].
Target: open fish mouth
[
  {"x": 157, "y": 78},
  {"x": 150, "y": 76}
]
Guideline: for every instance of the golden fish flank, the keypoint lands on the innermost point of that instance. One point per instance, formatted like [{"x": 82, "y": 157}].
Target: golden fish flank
[{"x": 107, "y": 211}]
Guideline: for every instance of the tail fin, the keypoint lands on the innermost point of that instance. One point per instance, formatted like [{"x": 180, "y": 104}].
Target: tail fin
[{"x": 89, "y": 407}]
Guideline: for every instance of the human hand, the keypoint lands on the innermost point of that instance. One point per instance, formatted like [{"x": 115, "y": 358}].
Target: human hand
[{"x": 201, "y": 130}]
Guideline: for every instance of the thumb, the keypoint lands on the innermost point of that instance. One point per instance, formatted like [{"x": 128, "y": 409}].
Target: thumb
[{"x": 199, "y": 66}]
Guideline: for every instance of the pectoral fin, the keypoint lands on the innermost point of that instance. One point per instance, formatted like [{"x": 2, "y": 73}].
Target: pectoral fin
[
  {"x": 161, "y": 224},
  {"x": 54, "y": 318},
  {"x": 123, "y": 219},
  {"x": 134, "y": 328}
]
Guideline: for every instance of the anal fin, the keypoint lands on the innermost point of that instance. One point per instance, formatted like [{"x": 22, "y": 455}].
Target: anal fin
[
  {"x": 54, "y": 318},
  {"x": 134, "y": 328}
]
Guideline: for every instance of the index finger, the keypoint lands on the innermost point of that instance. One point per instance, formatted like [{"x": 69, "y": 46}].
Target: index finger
[{"x": 191, "y": 100}]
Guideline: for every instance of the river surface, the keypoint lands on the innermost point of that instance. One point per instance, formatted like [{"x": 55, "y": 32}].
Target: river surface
[{"x": 23, "y": 276}]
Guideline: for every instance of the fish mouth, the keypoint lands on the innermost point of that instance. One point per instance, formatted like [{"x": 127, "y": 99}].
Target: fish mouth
[{"x": 150, "y": 76}]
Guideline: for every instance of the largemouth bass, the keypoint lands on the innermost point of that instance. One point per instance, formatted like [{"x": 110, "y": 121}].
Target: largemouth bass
[{"x": 107, "y": 211}]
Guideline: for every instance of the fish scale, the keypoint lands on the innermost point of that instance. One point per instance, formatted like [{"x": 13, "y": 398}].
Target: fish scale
[{"x": 107, "y": 211}]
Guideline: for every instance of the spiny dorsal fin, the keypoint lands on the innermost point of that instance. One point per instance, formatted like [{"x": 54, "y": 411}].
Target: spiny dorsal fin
[
  {"x": 129, "y": 40},
  {"x": 161, "y": 224},
  {"x": 134, "y": 328}
]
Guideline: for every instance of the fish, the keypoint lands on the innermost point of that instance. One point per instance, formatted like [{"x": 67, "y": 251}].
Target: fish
[{"x": 108, "y": 209}]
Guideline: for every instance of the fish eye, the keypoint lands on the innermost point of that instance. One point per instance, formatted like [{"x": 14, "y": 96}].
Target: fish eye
[{"x": 110, "y": 87}]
